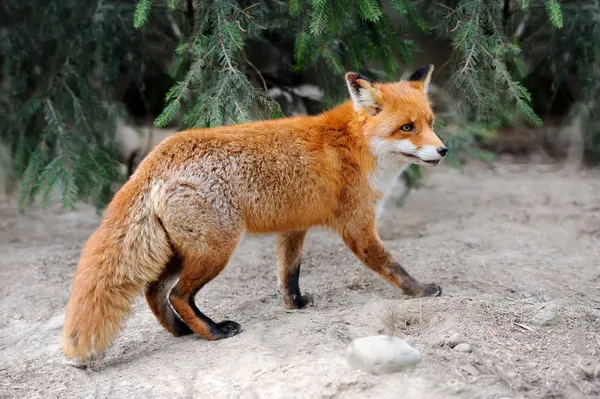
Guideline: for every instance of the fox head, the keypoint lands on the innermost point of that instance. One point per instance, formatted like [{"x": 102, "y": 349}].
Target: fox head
[{"x": 397, "y": 118}]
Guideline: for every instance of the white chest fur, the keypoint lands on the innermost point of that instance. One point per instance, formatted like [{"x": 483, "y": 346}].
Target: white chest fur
[{"x": 389, "y": 167}]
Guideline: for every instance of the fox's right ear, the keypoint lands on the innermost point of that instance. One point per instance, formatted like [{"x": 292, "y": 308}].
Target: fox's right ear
[{"x": 363, "y": 93}]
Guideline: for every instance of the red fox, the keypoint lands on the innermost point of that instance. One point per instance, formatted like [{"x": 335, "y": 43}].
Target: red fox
[{"x": 175, "y": 223}]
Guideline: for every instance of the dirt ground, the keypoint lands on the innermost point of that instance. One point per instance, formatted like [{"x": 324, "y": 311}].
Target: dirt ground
[{"x": 516, "y": 249}]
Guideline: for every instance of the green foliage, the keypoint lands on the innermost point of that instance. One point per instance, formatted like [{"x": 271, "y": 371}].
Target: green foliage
[
  {"x": 485, "y": 50},
  {"x": 328, "y": 35},
  {"x": 142, "y": 11},
  {"x": 217, "y": 77},
  {"x": 567, "y": 61},
  {"x": 554, "y": 13},
  {"x": 462, "y": 136},
  {"x": 369, "y": 10},
  {"x": 64, "y": 63},
  {"x": 60, "y": 77}
]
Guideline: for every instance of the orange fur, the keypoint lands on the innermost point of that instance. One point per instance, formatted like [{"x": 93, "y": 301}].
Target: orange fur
[{"x": 174, "y": 225}]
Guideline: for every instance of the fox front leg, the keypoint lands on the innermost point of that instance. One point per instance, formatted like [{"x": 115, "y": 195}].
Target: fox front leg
[
  {"x": 289, "y": 254},
  {"x": 363, "y": 240}
]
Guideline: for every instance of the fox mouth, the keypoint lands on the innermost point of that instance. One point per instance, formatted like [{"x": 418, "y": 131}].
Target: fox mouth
[{"x": 417, "y": 159}]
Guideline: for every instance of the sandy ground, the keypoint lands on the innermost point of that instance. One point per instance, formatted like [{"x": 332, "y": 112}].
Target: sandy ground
[{"x": 516, "y": 250}]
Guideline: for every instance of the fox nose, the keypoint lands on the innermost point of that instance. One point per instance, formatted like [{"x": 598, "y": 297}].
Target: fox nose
[{"x": 442, "y": 151}]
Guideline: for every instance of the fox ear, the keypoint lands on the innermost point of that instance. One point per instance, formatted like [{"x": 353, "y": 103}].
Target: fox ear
[
  {"x": 421, "y": 78},
  {"x": 363, "y": 93}
]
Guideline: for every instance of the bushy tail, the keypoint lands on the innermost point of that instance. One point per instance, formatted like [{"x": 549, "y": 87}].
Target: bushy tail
[{"x": 128, "y": 251}]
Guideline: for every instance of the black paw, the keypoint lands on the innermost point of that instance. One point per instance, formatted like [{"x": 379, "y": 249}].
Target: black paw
[
  {"x": 431, "y": 289},
  {"x": 297, "y": 301},
  {"x": 226, "y": 329}
]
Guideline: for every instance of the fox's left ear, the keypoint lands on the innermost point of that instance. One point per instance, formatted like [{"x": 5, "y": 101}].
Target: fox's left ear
[
  {"x": 363, "y": 93},
  {"x": 421, "y": 78}
]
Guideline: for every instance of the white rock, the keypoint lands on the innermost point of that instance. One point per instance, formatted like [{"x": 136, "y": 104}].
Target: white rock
[
  {"x": 597, "y": 371},
  {"x": 463, "y": 347},
  {"x": 55, "y": 322},
  {"x": 547, "y": 315},
  {"x": 382, "y": 354}
]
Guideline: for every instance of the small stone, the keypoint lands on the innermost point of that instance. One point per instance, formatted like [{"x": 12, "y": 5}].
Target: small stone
[
  {"x": 454, "y": 340},
  {"x": 464, "y": 347},
  {"x": 471, "y": 244},
  {"x": 547, "y": 315},
  {"x": 382, "y": 354},
  {"x": 595, "y": 313},
  {"x": 55, "y": 322},
  {"x": 597, "y": 371}
]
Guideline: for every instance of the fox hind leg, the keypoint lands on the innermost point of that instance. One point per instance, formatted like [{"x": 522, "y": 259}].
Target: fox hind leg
[
  {"x": 289, "y": 254},
  {"x": 198, "y": 270},
  {"x": 157, "y": 296},
  {"x": 204, "y": 233}
]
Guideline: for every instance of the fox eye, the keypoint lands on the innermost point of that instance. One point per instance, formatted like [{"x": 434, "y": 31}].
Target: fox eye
[{"x": 409, "y": 127}]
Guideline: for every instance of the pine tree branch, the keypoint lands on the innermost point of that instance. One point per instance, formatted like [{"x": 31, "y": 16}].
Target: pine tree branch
[
  {"x": 55, "y": 117},
  {"x": 78, "y": 105},
  {"x": 174, "y": 103},
  {"x": 240, "y": 110},
  {"x": 231, "y": 68},
  {"x": 142, "y": 11},
  {"x": 258, "y": 73},
  {"x": 470, "y": 56}
]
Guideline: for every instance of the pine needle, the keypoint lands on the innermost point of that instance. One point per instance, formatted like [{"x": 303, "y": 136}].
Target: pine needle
[{"x": 142, "y": 12}]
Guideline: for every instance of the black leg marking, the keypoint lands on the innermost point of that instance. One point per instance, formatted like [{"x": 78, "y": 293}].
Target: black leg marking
[
  {"x": 292, "y": 297},
  {"x": 157, "y": 295},
  {"x": 179, "y": 327},
  {"x": 224, "y": 329}
]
